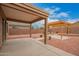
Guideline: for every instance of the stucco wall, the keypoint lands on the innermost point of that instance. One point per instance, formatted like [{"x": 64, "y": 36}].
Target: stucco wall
[{"x": 0, "y": 32}]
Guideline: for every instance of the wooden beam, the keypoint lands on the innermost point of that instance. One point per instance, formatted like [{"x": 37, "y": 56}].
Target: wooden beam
[
  {"x": 37, "y": 20},
  {"x": 45, "y": 31},
  {"x": 30, "y": 30},
  {"x": 17, "y": 20}
]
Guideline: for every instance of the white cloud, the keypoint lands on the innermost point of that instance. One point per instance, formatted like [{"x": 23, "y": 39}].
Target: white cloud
[
  {"x": 54, "y": 13},
  {"x": 62, "y": 14},
  {"x": 52, "y": 10},
  {"x": 52, "y": 20},
  {"x": 72, "y": 20}
]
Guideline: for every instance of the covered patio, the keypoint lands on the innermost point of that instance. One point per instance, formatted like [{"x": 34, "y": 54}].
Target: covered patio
[
  {"x": 21, "y": 12},
  {"x": 24, "y": 13}
]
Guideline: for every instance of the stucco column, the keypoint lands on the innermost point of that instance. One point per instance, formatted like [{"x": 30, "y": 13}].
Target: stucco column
[{"x": 45, "y": 31}]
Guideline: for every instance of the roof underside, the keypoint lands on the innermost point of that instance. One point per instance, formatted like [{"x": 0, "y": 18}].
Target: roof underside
[{"x": 23, "y": 12}]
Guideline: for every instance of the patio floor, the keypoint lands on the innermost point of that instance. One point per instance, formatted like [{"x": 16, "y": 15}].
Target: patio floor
[{"x": 30, "y": 47}]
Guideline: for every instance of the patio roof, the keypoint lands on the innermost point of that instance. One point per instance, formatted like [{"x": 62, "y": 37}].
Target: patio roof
[
  {"x": 59, "y": 23},
  {"x": 22, "y": 12}
]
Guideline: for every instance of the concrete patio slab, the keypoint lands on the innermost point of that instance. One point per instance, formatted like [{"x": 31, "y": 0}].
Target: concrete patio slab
[{"x": 29, "y": 47}]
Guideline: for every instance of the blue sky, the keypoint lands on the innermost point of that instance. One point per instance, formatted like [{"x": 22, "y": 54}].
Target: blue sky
[{"x": 60, "y": 11}]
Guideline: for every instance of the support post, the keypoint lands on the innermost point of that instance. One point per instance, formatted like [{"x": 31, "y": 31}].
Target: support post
[
  {"x": 61, "y": 33},
  {"x": 4, "y": 22},
  {"x": 30, "y": 30},
  {"x": 67, "y": 30},
  {"x": 45, "y": 31}
]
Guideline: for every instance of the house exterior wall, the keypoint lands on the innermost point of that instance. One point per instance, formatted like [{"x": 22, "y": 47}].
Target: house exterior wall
[{"x": 0, "y": 32}]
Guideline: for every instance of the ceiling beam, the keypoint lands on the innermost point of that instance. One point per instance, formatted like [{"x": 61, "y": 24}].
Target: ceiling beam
[
  {"x": 37, "y": 20},
  {"x": 17, "y": 20}
]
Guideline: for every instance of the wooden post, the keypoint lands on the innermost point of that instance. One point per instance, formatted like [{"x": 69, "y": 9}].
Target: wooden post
[
  {"x": 30, "y": 30},
  {"x": 61, "y": 33},
  {"x": 67, "y": 29},
  {"x": 4, "y": 19},
  {"x": 45, "y": 31}
]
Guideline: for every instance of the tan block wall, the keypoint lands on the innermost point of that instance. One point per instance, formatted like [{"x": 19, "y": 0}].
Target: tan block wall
[
  {"x": 59, "y": 30},
  {"x": 23, "y": 31},
  {"x": 75, "y": 29},
  {"x": 72, "y": 29}
]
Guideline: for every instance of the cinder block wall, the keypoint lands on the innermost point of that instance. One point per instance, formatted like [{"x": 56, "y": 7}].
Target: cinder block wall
[
  {"x": 75, "y": 29},
  {"x": 71, "y": 30},
  {"x": 59, "y": 30},
  {"x": 0, "y": 32},
  {"x": 17, "y": 31},
  {"x": 23, "y": 31}
]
